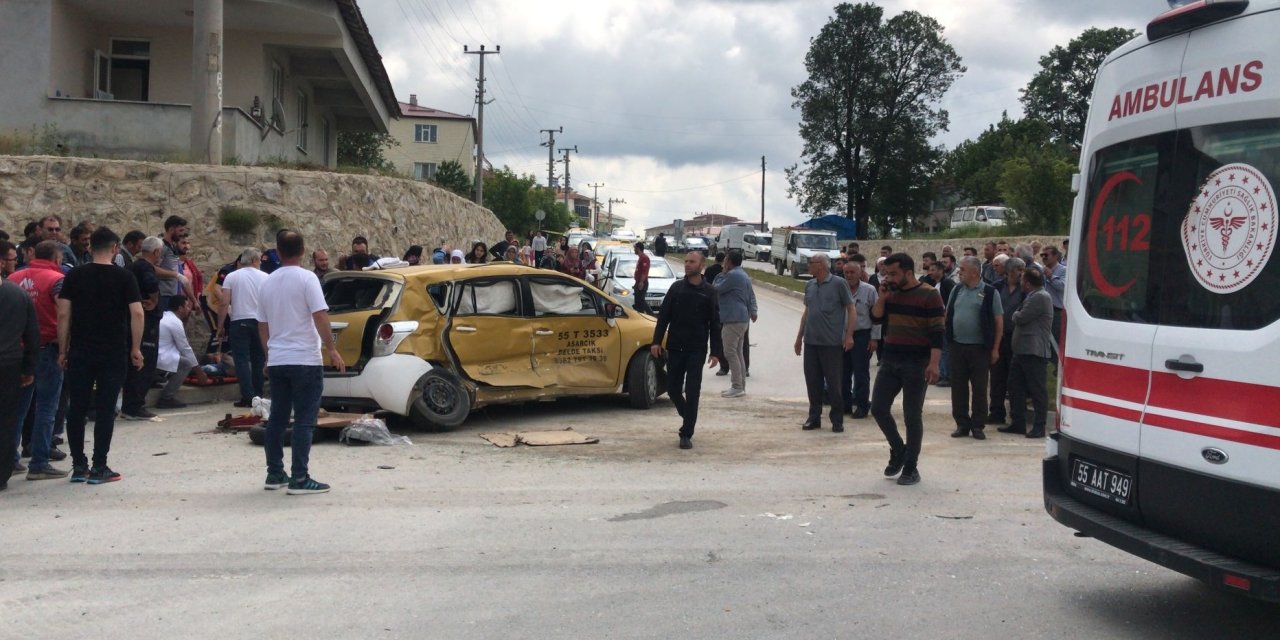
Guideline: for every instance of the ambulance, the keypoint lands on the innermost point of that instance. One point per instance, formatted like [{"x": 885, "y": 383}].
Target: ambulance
[{"x": 1168, "y": 437}]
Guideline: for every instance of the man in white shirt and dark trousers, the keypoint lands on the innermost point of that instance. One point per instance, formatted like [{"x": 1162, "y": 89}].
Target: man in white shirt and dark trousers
[
  {"x": 856, "y": 384},
  {"x": 240, "y": 295},
  {"x": 176, "y": 355},
  {"x": 293, "y": 322}
]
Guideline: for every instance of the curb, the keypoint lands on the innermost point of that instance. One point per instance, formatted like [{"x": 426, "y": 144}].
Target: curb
[{"x": 778, "y": 289}]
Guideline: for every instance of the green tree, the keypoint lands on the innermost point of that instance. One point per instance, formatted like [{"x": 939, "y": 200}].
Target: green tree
[
  {"x": 974, "y": 167},
  {"x": 365, "y": 149},
  {"x": 870, "y": 99},
  {"x": 1059, "y": 93},
  {"x": 450, "y": 175},
  {"x": 516, "y": 198},
  {"x": 1037, "y": 183}
]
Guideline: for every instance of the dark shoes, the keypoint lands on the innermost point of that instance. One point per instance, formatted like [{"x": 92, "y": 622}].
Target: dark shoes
[
  {"x": 810, "y": 425},
  {"x": 896, "y": 459},
  {"x": 305, "y": 486},
  {"x": 686, "y": 443},
  {"x": 170, "y": 403},
  {"x": 995, "y": 420},
  {"x": 837, "y": 428},
  {"x": 80, "y": 473},
  {"x": 859, "y": 414},
  {"x": 242, "y": 404},
  {"x": 1035, "y": 433},
  {"x": 276, "y": 481},
  {"x": 978, "y": 434},
  {"x": 944, "y": 383},
  {"x": 137, "y": 415},
  {"x": 722, "y": 372},
  {"x": 909, "y": 477},
  {"x": 960, "y": 433},
  {"x": 103, "y": 475},
  {"x": 56, "y": 454},
  {"x": 1012, "y": 429}
]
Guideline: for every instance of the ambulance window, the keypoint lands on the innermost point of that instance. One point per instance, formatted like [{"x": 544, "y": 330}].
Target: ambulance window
[
  {"x": 1114, "y": 268},
  {"x": 1225, "y": 181}
]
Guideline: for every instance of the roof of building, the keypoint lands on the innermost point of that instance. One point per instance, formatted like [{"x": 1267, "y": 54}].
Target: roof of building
[
  {"x": 369, "y": 51},
  {"x": 408, "y": 110}
]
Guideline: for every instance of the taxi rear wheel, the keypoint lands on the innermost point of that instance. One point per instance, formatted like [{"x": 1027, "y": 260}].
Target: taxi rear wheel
[
  {"x": 643, "y": 382},
  {"x": 442, "y": 402}
]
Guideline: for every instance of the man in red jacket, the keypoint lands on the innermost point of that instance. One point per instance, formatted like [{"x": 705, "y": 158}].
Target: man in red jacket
[{"x": 42, "y": 280}]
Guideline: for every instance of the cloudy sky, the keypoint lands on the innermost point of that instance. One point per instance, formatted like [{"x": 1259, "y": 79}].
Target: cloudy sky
[{"x": 672, "y": 103}]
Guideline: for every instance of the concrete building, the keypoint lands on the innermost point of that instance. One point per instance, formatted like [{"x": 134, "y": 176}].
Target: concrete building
[
  {"x": 429, "y": 137},
  {"x": 115, "y": 77}
]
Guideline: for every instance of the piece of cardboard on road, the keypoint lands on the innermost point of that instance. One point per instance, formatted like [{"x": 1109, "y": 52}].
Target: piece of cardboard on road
[
  {"x": 337, "y": 420},
  {"x": 539, "y": 438}
]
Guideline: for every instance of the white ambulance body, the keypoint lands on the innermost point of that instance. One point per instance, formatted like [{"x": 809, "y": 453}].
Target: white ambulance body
[{"x": 1168, "y": 444}]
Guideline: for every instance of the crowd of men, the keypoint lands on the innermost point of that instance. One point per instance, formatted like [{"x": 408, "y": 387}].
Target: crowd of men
[{"x": 983, "y": 326}]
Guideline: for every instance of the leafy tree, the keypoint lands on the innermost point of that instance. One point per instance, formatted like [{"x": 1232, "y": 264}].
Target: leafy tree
[
  {"x": 975, "y": 166},
  {"x": 1037, "y": 183},
  {"x": 1059, "y": 94},
  {"x": 868, "y": 103},
  {"x": 450, "y": 175},
  {"x": 516, "y": 198},
  {"x": 365, "y": 149},
  {"x": 908, "y": 183}
]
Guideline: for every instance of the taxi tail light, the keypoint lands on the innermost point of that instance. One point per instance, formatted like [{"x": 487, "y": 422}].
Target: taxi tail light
[
  {"x": 390, "y": 335},
  {"x": 1190, "y": 16}
]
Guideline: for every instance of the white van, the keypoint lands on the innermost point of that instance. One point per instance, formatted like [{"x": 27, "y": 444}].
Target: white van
[
  {"x": 757, "y": 246},
  {"x": 732, "y": 236},
  {"x": 980, "y": 216},
  {"x": 1168, "y": 440}
]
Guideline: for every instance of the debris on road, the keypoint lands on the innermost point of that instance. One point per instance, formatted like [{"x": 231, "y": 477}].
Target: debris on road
[{"x": 539, "y": 438}]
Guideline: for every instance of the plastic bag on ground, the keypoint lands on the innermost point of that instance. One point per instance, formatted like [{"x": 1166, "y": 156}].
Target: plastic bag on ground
[
  {"x": 261, "y": 407},
  {"x": 372, "y": 430}
]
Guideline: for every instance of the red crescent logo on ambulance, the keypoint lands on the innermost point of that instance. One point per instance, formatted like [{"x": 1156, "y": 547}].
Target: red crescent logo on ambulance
[
  {"x": 1091, "y": 239},
  {"x": 1230, "y": 229}
]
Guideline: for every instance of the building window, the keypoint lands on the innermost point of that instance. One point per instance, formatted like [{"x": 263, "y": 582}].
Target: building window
[
  {"x": 277, "y": 95},
  {"x": 424, "y": 133},
  {"x": 125, "y": 72},
  {"x": 424, "y": 170},
  {"x": 302, "y": 121}
]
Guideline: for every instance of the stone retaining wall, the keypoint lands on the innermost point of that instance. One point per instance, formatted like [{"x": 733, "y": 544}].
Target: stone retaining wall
[{"x": 328, "y": 208}]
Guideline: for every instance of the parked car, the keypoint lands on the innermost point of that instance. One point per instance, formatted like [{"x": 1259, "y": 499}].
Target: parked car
[
  {"x": 436, "y": 342},
  {"x": 697, "y": 243},
  {"x": 619, "y": 279},
  {"x": 963, "y": 217}
]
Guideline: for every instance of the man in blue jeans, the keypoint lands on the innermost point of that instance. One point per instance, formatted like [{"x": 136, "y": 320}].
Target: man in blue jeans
[
  {"x": 240, "y": 296},
  {"x": 293, "y": 322},
  {"x": 19, "y": 345},
  {"x": 42, "y": 280}
]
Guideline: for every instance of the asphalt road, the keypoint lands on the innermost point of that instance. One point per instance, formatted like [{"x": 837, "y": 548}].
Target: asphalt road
[{"x": 761, "y": 531}]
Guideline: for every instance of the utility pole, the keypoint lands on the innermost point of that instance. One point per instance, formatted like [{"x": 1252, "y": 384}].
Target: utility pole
[
  {"x": 566, "y": 151},
  {"x": 595, "y": 203},
  {"x": 762, "y": 193},
  {"x": 611, "y": 201},
  {"x": 480, "y": 118},
  {"x": 206, "y": 80},
  {"x": 550, "y": 144}
]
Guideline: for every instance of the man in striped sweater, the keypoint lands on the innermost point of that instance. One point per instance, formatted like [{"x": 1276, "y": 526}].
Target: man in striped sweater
[{"x": 913, "y": 319}]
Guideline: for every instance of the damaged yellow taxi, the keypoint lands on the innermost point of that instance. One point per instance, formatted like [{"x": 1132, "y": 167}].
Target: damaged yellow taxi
[{"x": 434, "y": 343}]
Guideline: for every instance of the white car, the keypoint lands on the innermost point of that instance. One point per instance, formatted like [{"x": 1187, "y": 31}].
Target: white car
[{"x": 620, "y": 282}]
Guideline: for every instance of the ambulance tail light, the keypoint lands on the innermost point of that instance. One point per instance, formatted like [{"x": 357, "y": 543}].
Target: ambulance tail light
[
  {"x": 1189, "y": 16},
  {"x": 1062, "y": 362}
]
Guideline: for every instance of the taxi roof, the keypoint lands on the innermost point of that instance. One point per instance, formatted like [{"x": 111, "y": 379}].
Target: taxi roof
[{"x": 441, "y": 272}]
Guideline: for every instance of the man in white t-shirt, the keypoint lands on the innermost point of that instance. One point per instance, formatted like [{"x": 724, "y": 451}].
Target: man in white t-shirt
[
  {"x": 293, "y": 322},
  {"x": 239, "y": 293},
  {"x": 539, "y": 243},
  {"x": 176, "y": 355}
]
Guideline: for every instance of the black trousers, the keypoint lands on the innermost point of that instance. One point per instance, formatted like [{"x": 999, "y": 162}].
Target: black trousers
[
  {"x": 642, "y": 302},
  {"x": 684, "y": 385},
  {"x": 970, "y": 369},
  {"x": 93, "y": 380},
  {"x": 906, "y": 375},
  {"x": 824, "y": 373},
  {"x": 10, "y": 395},
  {"x": 1000, "y": 379},
  {"x": 138, "y": 381},
  {"x": 1027, "y": 377}
]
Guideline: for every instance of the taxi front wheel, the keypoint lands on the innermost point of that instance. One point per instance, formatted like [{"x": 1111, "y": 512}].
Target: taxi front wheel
[
  {"x": 441, "y": 402},
  {"x": 644, "y": 383}
]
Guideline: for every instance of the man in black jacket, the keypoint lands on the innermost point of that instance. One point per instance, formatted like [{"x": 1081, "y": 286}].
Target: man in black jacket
[
  {"x": 19, "y": 349},
  {"x": 691, "y": 311}
]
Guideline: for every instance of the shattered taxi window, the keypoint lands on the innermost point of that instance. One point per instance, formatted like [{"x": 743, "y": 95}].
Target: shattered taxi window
[{"x": 489, "y": 298}]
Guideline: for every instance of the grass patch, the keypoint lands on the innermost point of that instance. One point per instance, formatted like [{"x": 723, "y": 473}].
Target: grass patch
[
  {"x": 238, "y": 221},
  {"x": 769, "y": 277}
]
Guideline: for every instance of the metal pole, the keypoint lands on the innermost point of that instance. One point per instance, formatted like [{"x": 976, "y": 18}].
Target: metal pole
[
  {"x": 480, "y": 119},
  {"x": 550, "y": 144},
  {"x": 206, "y": 80},
  {"x": 762, "y": 170},
  {"x": 566, "y": 151},
  {"x": 595, "y": 204}
]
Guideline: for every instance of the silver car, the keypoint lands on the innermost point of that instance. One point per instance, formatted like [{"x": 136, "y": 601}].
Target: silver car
[{"x": 619, "y": 279}]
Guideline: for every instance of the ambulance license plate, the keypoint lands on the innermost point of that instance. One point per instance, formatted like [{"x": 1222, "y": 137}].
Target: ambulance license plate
[{"x": 1100, "y": 481}]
